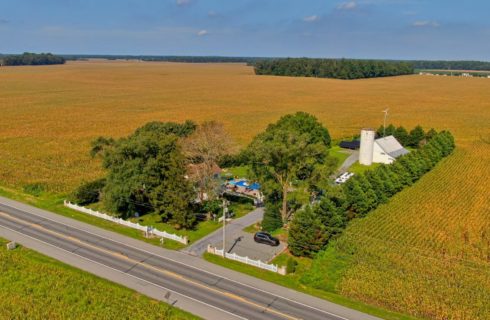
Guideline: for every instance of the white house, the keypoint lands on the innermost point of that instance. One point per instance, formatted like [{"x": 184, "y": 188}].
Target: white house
[{"x": 383, "y": 150}]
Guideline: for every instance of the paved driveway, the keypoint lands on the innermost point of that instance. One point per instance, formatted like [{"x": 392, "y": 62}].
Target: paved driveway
[
  {"x": 353, "y": 158},
  {"x": 237, "y": 240},
  {"x": 243, "y": 244},
  {"x": 232, "y": 228}
]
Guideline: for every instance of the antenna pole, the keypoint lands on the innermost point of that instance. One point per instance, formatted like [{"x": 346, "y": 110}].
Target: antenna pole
[{"x": 384, "y": 122}]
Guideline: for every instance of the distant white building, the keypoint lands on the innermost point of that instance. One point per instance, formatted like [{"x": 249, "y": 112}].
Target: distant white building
[{"x": 383, "y": 150}]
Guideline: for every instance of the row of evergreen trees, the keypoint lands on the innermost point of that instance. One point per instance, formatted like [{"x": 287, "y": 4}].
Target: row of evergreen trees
[
  {"x": 408, "y": 139},
  {"x": 28, "y": 58},
  {"x": 313, "y": 226},
  {"x": 331, "y": 68}
]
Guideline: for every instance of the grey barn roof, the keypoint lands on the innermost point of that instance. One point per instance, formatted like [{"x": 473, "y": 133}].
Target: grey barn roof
[{"x": 391, "y": 146}]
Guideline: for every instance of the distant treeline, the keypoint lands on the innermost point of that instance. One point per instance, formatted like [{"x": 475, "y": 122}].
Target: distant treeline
[
  {"x": 190, "y": 59},
  {"x": 452, "y": 65},
  {"x": 312, "y": 67},
  {"x": 31, "y": 59},
  {"x": 197, "y": 59},
  {"x": 332, "y": 68},
  {"x": 416, "y": 64}
]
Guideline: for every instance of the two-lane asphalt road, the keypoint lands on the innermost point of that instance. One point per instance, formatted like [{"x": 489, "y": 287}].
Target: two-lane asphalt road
[{"x": 231, "y": 299}]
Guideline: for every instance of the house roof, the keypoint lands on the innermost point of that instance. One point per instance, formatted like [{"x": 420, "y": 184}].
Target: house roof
[
  {"x": 391, "y": 146},
  {"x": 355, "y": 144}
]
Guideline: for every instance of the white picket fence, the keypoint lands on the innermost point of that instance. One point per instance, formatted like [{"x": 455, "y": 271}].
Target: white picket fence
[
  {"x": 148, "y": 229},
  {"x": 247, "y": 260}
]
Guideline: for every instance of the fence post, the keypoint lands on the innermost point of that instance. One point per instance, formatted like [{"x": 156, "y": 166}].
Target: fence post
[
  {"x": 148, "y": 230},
  {"x": 282, "y": 270}
]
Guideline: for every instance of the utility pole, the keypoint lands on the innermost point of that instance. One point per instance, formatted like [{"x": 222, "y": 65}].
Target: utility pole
[
  {"x": 225, "y": 210},
  {"x": 384, "y": 122}
]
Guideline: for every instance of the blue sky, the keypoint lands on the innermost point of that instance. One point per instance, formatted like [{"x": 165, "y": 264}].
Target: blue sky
[{"x": 388, "y": 29}]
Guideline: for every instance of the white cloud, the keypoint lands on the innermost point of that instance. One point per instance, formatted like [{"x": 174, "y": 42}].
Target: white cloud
[
  {"x": 425, "y": 23},
  {"x": 183, "y": 2},
  {"x": 349, "y": 5},
  {"x": 212, "y": 13},
  {"x": 312, "y": 18},
  {"x": 203, "y": 32}
]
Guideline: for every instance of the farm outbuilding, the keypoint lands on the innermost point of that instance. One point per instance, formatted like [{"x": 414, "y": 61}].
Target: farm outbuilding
[
  {"x": 382, "y": 150},
  {"x": 387, "y": 149},
  {"x": 352, "y": 145}
]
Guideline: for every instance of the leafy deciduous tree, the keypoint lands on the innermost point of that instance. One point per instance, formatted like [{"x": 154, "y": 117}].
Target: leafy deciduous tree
[
  {"x": 204, "y": 149},
  {"x": 146, "y": 172},
  {"x": 289, "y": 150}
]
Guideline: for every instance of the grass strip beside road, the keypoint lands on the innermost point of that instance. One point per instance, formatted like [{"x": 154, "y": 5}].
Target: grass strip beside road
[
  {"x": 54, "y": 203},
  {"x": 38, "y": 287}
]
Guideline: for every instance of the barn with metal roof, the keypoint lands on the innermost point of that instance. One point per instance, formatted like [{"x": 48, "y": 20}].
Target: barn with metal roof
[{"x": 387, "y": 149}]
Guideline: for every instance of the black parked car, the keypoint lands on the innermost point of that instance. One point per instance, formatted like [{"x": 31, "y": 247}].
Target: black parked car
[{"x": 266, "y": 238}]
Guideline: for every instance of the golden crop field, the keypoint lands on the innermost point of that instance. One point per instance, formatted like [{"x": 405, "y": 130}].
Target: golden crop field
[
  {"x": 426, "y": 252},
  {"x": 49, "y": 114}
]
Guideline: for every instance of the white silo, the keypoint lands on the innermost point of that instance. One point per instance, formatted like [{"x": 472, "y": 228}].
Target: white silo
[{"x": 367, "y": 147}]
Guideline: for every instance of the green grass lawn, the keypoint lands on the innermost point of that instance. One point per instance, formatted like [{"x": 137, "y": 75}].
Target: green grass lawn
[
  {"x": 358, "y": 168},
  {"x": 239, "y": 171},
  {"x": 240, "y": 209},
  {"x": 252, "y": 228},
  {"x": 34, "y": 286},
  {"x": 296, "y": 281},
  {"x": 281, "y": 234},
  {"x": 202, "y": 229},
  {"x": 54, "y": 203},
  {"x": 340, "y": 154}
]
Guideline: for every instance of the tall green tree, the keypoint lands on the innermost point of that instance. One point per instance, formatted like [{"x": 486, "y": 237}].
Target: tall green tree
[
  {"x": 401, "y": 134},
  {"x": 357, "y": 198},
  {"x": 100, "y": 144},
  {"x": 146, "y": 173},
  {"x": 332, "y": 216},
  {"x": 388, "y": 184},
  {"x": 306, "y": 233},
  {"x": 288, "y": 151},
  {"x": 380, "y": 187},
  {"x": 431, "y": 133},
  {"x": 272, "y": 216},
  {"x": 417, "y": 135}
]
